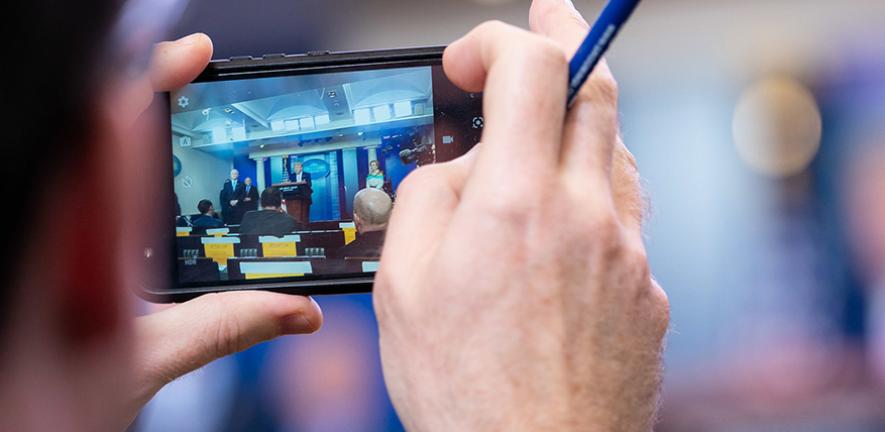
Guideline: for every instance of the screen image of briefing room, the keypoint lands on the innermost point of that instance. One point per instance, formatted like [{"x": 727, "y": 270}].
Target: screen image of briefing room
[{"x": 294, "y": 176}]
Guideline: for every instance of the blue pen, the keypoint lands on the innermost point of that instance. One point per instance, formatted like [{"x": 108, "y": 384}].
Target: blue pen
[{"x": 603, "y": 31}]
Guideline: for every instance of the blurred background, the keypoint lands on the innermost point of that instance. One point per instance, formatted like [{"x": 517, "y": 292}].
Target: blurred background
[{"x": 759, "y": 128}]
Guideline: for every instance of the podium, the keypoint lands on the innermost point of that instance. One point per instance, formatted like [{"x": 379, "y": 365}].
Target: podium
[{"x": 297, "y": 199}]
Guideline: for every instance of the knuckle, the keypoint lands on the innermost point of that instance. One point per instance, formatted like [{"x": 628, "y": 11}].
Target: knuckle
[
  {"x": 635, "y": 260},
  {"x": 576, "y": 20},
  {"x": 492, "y": 26},
  {"x": 547, "y": 15},
  {"x": 224, "y": 331},
  {"x": 602, "y": 95},
  {"x": 227, "y": 336},
  {"x": 544, "y": 52},
  {"x": 604, "y": 228},
  {"x": 508, "y": 208},
  {"x": 606, "y": 85}
]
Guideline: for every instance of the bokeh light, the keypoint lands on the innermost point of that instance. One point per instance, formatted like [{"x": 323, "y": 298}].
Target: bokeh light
[{"x": 777, "y": 126}]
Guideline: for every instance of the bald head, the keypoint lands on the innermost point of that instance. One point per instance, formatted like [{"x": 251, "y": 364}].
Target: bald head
[{"x": 371, "y": 210}]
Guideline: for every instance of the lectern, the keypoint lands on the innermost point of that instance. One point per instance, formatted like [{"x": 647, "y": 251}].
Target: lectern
[{"x": 297, "y": 198}]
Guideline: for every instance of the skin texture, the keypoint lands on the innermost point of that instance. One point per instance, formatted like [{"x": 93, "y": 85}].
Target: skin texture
[{"x": 526, "y": 304}]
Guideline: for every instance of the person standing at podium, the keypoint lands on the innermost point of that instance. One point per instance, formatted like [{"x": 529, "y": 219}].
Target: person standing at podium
[
  {"x": 302, "y": 179},
  {"x": 228, "y": 198}
]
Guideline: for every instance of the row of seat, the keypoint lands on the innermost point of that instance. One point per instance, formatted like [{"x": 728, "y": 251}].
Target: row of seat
[
  {"x": 315, "y": 243},
  {"x": 206, "y": 270},
  {"x": 311, "y": 226}
]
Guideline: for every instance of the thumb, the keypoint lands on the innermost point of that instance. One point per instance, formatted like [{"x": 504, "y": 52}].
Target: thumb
[
  {"x": 178, "y": 62},
  {"x": 183, "y": 338}
]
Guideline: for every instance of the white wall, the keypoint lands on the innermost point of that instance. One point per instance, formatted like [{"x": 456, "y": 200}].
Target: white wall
[{"x": 207, "y": 173}]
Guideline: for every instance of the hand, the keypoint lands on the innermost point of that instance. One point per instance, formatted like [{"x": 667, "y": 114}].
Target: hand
[
  {"x": 523, "y": 304},
  {"x": 185, "y": 337}
]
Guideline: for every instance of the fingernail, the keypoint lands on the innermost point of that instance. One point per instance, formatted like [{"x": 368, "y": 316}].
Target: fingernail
[
  {"x": 570, "y": 4},
  {"x": 316, "y": 305},
  {"x": 297, "y": 323},
  {"x": 190, "y": 39}
]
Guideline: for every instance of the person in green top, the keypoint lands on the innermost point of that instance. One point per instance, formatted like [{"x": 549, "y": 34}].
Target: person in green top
[{"x": 375, "y": 179}]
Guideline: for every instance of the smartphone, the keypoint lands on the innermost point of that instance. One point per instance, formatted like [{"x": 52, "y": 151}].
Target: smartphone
[{"x": 267, "y": 158}]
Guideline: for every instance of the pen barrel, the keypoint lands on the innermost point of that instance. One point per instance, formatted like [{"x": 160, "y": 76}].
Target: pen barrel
[{"x": 602, "y": 33}]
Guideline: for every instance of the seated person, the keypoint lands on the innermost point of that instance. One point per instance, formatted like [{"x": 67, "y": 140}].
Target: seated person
[
  {"x": 271, "y": 219},
  {"x": 206, "y": 219},
  {"x": 371, "y": 211}
]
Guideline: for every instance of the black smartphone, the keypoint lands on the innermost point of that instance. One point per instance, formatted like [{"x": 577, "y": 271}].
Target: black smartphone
[{"x": 268, "y": 159}]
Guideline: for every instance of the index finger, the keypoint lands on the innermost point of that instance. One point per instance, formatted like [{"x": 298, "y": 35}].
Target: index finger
[
  {"x": 591, "y": 145},
  {"x": 523, "y": 77},
  {"x": 591, "y": 124}
]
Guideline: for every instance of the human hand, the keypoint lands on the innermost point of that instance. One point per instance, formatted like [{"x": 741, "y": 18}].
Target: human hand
[
  {"x": 182, "y": 338},
  {"x": 185, "y": 337},
  {"x": 523, "y": 304}
]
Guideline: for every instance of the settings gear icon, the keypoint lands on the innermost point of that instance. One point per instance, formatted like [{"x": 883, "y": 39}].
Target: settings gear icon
[{"x": 183, "y": 101}]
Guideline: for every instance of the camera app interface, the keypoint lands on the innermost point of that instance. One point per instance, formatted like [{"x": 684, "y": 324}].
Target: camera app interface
[{"x": 296, "y": 176}]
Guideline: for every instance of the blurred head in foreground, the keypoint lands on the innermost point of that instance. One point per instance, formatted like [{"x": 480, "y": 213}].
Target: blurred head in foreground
[{"x": 79, "y": 88}]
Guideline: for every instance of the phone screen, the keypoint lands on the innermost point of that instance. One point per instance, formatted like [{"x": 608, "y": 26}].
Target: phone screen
[{"x": 293, "y": 178}]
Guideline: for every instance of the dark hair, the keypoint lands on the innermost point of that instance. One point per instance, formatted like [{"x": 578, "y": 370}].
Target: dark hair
[
  {"x": 57, "y": 57},
  {"x": 271, "y": 197},
  {"x": 204, "y": 206}
]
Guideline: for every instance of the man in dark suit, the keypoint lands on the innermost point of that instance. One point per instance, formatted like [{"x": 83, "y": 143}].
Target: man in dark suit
[
  {"x": 371, "y": 211},
  {"x": 271, "y": 219},
  {"x": 247, "y": 198},
  {"x": 206, "y": 219},
  {"x": 302, "y": 179},
  {"x": 227, "y": 197}
]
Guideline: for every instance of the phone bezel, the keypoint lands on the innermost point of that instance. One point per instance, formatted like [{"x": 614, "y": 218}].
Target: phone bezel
[{"x": 283, "y": 65}]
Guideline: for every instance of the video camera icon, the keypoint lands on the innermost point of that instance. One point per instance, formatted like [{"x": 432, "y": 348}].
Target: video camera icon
[{"x": 478, "y": 122}]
